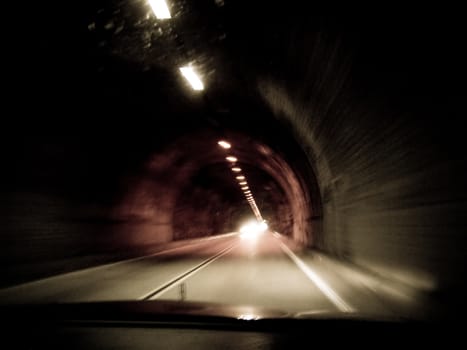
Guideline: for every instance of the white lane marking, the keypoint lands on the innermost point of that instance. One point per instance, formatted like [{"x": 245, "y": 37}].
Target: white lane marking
[
  {"x": 104, "y": 266},
  {"x": 276, "y": 234},
  {"x": 156, "y": 292},
  {"x": 320, "y": 283}
]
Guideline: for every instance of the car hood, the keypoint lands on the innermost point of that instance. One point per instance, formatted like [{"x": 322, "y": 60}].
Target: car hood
[{"x": 167, "y": 311}]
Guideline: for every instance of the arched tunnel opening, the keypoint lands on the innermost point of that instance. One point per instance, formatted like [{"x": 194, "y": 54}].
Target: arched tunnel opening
[
  {"x": 191, "y": 190},
  {"x": 347, "y": 129}
]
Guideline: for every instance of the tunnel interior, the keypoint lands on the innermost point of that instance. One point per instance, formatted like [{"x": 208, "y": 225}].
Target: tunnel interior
[{"x": 348, "y": 128}]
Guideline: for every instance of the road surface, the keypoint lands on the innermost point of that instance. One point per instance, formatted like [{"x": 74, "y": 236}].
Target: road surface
[{"x": 268, "y": 270}]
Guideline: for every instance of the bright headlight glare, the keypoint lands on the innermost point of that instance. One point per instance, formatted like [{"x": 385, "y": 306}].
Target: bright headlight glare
[{"x": 252, "y": 229}]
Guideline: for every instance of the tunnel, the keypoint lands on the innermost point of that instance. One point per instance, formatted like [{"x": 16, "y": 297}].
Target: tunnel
[{"x": 347, "y": 127}]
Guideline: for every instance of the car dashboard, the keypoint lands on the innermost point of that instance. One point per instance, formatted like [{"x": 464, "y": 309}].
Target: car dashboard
[{"x": 176, "y": 325}]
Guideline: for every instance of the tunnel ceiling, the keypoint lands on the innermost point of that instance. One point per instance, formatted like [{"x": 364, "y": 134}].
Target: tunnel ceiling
[
  {"x": 105, "y": 98},
  {"x": 115, "y": 60}
]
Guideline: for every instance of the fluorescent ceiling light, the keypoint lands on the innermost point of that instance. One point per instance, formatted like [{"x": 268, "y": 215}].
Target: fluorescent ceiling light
[
  {"x": 224, "y": 144},
  {"x": 160, "y": 9},
  {"x": 192, "y": 78},
  {"x": 231, "y": 159}
]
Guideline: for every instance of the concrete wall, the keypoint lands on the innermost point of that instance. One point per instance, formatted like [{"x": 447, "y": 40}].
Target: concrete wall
[{"x": 392, "y": 186}]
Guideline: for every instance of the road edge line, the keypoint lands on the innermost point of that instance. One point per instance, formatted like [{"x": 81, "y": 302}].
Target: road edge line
[{"x": 318, "y": 281}]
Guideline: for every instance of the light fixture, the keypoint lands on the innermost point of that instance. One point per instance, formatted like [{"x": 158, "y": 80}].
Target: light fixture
[
  {"x": 241, "y": 177},
  {"x": 243, "y": 183},
  {"x": 231, "y": 159},
  {"x": 192, "y": 78},
  {"x": 160, "y": 9},
  {"x": 236, "y": 169},
  {"x": 244, "y": 187},
  {"x": 224, "y": 144}
]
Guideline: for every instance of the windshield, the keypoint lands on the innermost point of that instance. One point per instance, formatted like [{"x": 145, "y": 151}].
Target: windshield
[{"x": 264, "y": 155}]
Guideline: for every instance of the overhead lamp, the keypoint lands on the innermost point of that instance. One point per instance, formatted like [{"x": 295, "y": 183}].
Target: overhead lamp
[
  {"x": 160, "y": 9},
  {"x": 191, "y": 76},
  {"x": 224, "y": 144}
]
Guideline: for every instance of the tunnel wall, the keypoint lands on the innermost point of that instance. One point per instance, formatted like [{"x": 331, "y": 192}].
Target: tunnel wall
[
  {"x": 379, "y": 112},
  {"x": 66, "y": 207},
  {"x": 296, "y": 218},
  {"x": 392, "y": 188}
]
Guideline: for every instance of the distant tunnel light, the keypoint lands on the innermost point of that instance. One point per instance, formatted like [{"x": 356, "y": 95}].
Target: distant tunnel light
[
  {"x": 192, "y": 78},
  {"x": 231, "y": 159},
  {"x": 241, "y": 177},
  {"x": 160, "y": 9},
  {"x": 251, "y": 230},
  {"x": 245, "y": 188},
  {"x": 236, "y": 169},
  {"x": 224, "y": 144},
  {"x": 243, "y": 183}
]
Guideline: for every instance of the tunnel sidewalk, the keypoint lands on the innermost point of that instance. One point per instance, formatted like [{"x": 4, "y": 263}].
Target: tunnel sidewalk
[{"x": 366, "y": 291}]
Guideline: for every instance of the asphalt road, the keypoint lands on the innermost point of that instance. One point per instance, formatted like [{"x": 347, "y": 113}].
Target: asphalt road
[{"x": 266, "y": 271}]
